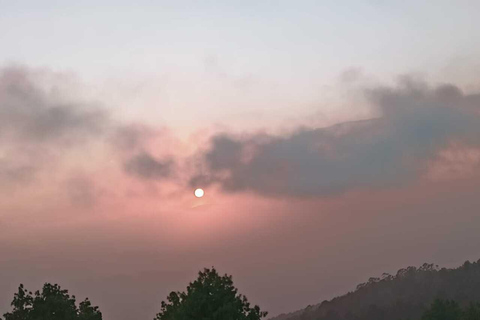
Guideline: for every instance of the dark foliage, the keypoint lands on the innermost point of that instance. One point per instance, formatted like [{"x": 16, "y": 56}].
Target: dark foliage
[
  {"x": 210, "y": 297},
  {"x": 52, "y": 303},
  {"x": 406, "y": 295},
  {"x": 450, "y": 310},
  {"x": 443, "y": 310}
]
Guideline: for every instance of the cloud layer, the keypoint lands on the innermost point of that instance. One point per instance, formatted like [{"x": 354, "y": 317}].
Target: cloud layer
[
  {"x": 39, "y": 127},
  {"x": 30, "y": 114},
  {"x": 416, "y": 123},
  {"x": 36, "y": 126}
]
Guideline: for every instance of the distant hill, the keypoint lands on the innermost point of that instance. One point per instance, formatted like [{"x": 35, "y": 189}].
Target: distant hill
[{"x": 403, "y": 296}]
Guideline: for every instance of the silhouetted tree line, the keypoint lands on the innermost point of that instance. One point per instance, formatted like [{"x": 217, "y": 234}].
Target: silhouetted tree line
[
  {"x": 52, "y": 303},
  {"x": 407, "y": 295},
  {"x": 425, "y": 293},
  {"x": 210, "y": 297},
  {"x": 451, "y": 310}
]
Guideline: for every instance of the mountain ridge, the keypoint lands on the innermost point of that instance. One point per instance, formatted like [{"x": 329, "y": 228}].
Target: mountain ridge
[{"x": 405, "y": 295}]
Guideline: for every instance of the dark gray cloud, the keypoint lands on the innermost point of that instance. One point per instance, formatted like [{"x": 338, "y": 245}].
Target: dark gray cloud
[
  {"x": 35, "y": 124},
  {"x": 32, "y": 115},
  {"x": 145, "y": 166},
  {"x": 416, "y": 122},
  {"x": 132, "y": 141}
]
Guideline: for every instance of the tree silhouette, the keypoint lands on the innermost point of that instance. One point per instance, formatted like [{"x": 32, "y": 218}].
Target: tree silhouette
[
  {"x": 52, "y": 303},
  {"x": 88, "y": 312},
  {"x": 401, "y": 296},
  {"x": 210, "y": 297},
  {"x": 443, "y": 310},
  {"x": 472, "y": 312}
]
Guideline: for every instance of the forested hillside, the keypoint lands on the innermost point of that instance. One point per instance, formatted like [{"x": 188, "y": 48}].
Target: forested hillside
[{"x": 405, "y": 295}]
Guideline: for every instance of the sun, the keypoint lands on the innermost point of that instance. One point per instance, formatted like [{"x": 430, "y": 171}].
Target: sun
[{"x": 199, "y": 193}]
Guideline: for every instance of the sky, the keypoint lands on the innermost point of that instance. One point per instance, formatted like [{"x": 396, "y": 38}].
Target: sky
[{"x": 335, "y": 141}]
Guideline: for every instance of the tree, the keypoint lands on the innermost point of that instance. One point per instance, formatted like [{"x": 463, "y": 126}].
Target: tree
[
  {"x": 51, "y": 303},
  {"x": 443, "y": 310},
  {"x": 88, "y": 312},
  {"x": 22, "y": 304},
  {"x": 472, "y": 312},
  {"x": 210, "y": 297}
]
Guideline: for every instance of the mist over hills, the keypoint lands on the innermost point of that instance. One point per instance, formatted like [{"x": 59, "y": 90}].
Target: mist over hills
[{"x": 405, "y": 295}]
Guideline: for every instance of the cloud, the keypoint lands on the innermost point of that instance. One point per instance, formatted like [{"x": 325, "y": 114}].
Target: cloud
[
  {"x": 37, "y": 126},
  {"x": 145, "y": 166},
  {"x": 133, "y": 141},
  {"x": 351, "y": 74},
  {"x": 32, "y": 115},
  {"x": 131, "y": 137},
  {"x": 11, "y": 174},
  {"x": 416, "y": 123}
]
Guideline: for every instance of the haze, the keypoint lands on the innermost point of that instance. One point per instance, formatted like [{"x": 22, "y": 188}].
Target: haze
[{"x": 334, "y": 141}]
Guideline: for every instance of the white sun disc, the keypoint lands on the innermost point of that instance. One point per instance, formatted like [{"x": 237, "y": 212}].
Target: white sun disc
[{"x": 199, "y": 193}]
